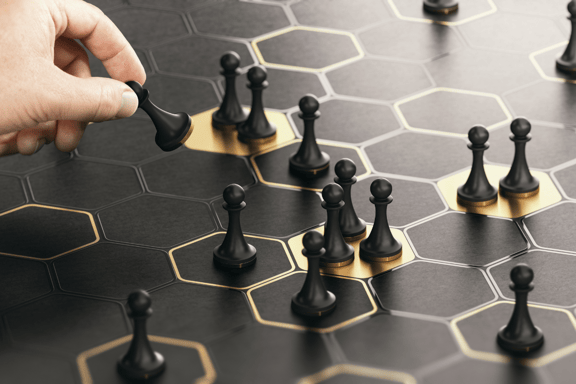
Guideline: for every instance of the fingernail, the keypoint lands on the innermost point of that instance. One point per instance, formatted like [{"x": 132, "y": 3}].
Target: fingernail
[
  {"x": 129, "y": 105},
  {"x": 40, "y": 144}
]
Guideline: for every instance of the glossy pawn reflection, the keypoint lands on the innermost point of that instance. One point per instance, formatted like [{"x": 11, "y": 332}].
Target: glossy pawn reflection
[
  {"x": 256, "y": 127},
  {"x": 380, "y": 246},
  {"x": 172, "y": 130},
  {"x": 309, "y": 161},
  {"x": 140, "y": 362},
  {"x": 440, "y": 6},
  {"x": 519, "y": 182},
  {"x": 521, "y": 335},
  {"x": 338, "y": 253},
  {"x": 477, "y": 191},
  {"x": 566, "y": 62},
  {"x": 313, "y": 299},
  {"x": 353, "y": 228},
  {"x": 230, "y": 112},
  {"x": 234, "y": 252}
]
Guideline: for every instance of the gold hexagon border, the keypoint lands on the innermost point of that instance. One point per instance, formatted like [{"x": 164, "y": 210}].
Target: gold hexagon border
[
  {"x": 539, "y": 69},
  {"x": 310, "y": 29},
  {"x": 302, "y": 327},
  {"x": 208, "y": 378},
  {"x": 97, "y": 236},
  {"x": 359, "y": 268},
  {"x": 447, "y": 23},
  {"x": 504, "y": 206},
  {"x": 450, "y": 90},
  {"x": 498, "y": 358},
  {"x": 360, "y": 371},
  {"x": 261, "y": 178},
  {"x": 224, "y": 286}
]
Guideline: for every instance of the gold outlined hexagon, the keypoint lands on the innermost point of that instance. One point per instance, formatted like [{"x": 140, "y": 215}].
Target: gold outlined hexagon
[
  {"x": 360, "y": 371},
  {"x": 309, "y": 29},
  {"x": 504, "y": 206},
  {"x": 205, "y": 137},
  {"x": 302, "y": 327},
  {"x": 263, "y": 181},
  {"x": 208, "y": 378},
  {"x": 175, "y": 265},
  {"x": 499, "y": 358},
  {"x": 94, "y": 229},
  {"x": 451, "y": 90},
  {"x": 397, "y": 13},
  {"x": 539, "y": 69},
  {"x": 359, "y": 268}
]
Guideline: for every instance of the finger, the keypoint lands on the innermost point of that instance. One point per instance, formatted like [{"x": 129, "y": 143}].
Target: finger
[
  {"x": 68, "y": 134},
  {"x": 8, "y": 144},
  {"x": 31, "y": 140},
  {"x": 68, "y": 51}
]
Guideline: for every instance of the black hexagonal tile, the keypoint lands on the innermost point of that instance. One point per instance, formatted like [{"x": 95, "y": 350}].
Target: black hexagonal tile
[
  {"x": 197, "y": 56},
  {"x": 287, "y": 49},
  {"x": 277, "y": 212},
  {"x": 479, "y": 372},
  {"x": 11, "y": 194},
  {"x": 386, "y": 340},
  {"x": 197, "y": 313},
  {"x": 274, "y": 166},
  {"x": 466, "y": 10},
  {"x": 351, "y": 121},
  {"x": 266, "y": 355},
  {"x": 567, "y": 179},
  {"x": 18, "y": 367},
  {"x": 156, "y": 221},
  {"x": 202, "y": 175},
  {"x": 560, "y": 370},
  {"x": 378, "y": 79},
  {"x": 239, "y": 19},
  {"x": 533, "y": 7},
  {"x": 339, "y": 14},
  {"x": 48, "y": 155},
  {"x": 85, "y": 185},
  {"x": 466, "y": 238},
  {"x": 344, "y": 378},
  {"x": 22, "y": 280},
  {"x": 160, "y": 25},
  {"x": 113, "y": 271},
  {"x": 419, "y": 155},
  {"x": 551, "y": 228},
  {"x": 413, "y": 201},
  {"x": 406, "y": 40},
  {"x": 44, "y": 233},
  {"x": 441, "y": 290},
  {"x": 66, "y": 324}
]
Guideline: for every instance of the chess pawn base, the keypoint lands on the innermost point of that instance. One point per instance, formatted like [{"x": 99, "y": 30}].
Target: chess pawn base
[
  {"x": 380, "y": 256},
  {"x": 241, "y": 260},
  {"x": 355, "y": 236},
  {"x": 219, "y": 122},
  {"x": 263, "y": 136},
  {"x": 444, "y": 7},
  {"x": 565, "y": 66},
  {"x": 529, "y": 343},
  {"x": 152, "y": 368},
  {"x": 513, "y": 193},
  {"x": 307, "y": 171},
  {"x": 473, "y": 201},
  {"x": 322, "y": 306}
]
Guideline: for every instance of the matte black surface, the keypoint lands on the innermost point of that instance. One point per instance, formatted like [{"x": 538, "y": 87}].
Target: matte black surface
[
  {"x": 16, "y": 369},
  {"x": 552, "y": 228},
  {"x": 472, "y": 239},
  {"x": 561, "y": 369},
  {"x": 480, "y": 372},
  {"x": 567, "y": 179},
  {"x": 48, "y": 155},
  {"x": 22, "y": 280},
  {"x": 11, "y": 194},
  {"x": 339, "y": 14}
]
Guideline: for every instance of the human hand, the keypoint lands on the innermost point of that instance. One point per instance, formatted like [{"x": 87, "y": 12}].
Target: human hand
[{"x": 46, "y": 89}]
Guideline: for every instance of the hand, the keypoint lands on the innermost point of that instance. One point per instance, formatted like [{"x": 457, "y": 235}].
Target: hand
[{"x": 46, "y": 89}]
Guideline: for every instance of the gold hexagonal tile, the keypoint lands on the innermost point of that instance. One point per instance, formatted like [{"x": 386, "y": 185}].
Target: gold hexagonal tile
[
  {"x": 207, "y": 138},
  {"x": 359, "y": 268},
  {"x": 504, "y": 206},
  {"x": 397, "y": 13},
  {"x": 359, "y": 371},
  {"x": 541, "y": 71}
]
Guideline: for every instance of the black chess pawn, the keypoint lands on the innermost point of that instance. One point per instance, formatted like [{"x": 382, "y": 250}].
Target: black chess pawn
[
  {"x": 352, "y": 227},
  {"x": 313, "y": 299},
  {"x": 441, "y": 6},
  {"x": 521, "y": 335},
  {"x": 256, "y": 127},
  {"x": 234, "y": 252},
  {"x": 566, "y": 62},
  {"x": 380, "y": 246},
  {"x": 477, "y": 191},
  {"x": 338, "y": 253},
  {"x": 230, "y": 113},
  {"x": 172, "y": 130},
  {"x": 309, "y": 160},
  {"x": 519, "y": 182},
  {"x": 140, "y": 362}
]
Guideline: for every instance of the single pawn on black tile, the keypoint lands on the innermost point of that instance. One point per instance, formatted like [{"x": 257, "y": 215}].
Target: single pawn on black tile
[
  {"x": 440, "y": 6},
  {"x": 309, "y": 161},
  {"x": 256, "y": 127},
  {"x": 313, "y": 299},
  {"x": 380, "y": 246},
  {"x": 172, "y": 130},
  {"x": 521, "y": 335},
  {"x": 477, "y": 191},
  {"x": 140, "y": 362},
  {"x": 338, "y": 253},
  {"x": 519, "y": 182},
  {"x": 234, "y": 252},
  {"x": 230, "y": 113},
  {"x": 353, "y": 228},
  {"x": 566, "y": 62}
]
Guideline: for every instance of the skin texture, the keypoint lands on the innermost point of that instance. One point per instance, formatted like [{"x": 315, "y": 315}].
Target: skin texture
[{"x": 47, "y": 92}]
